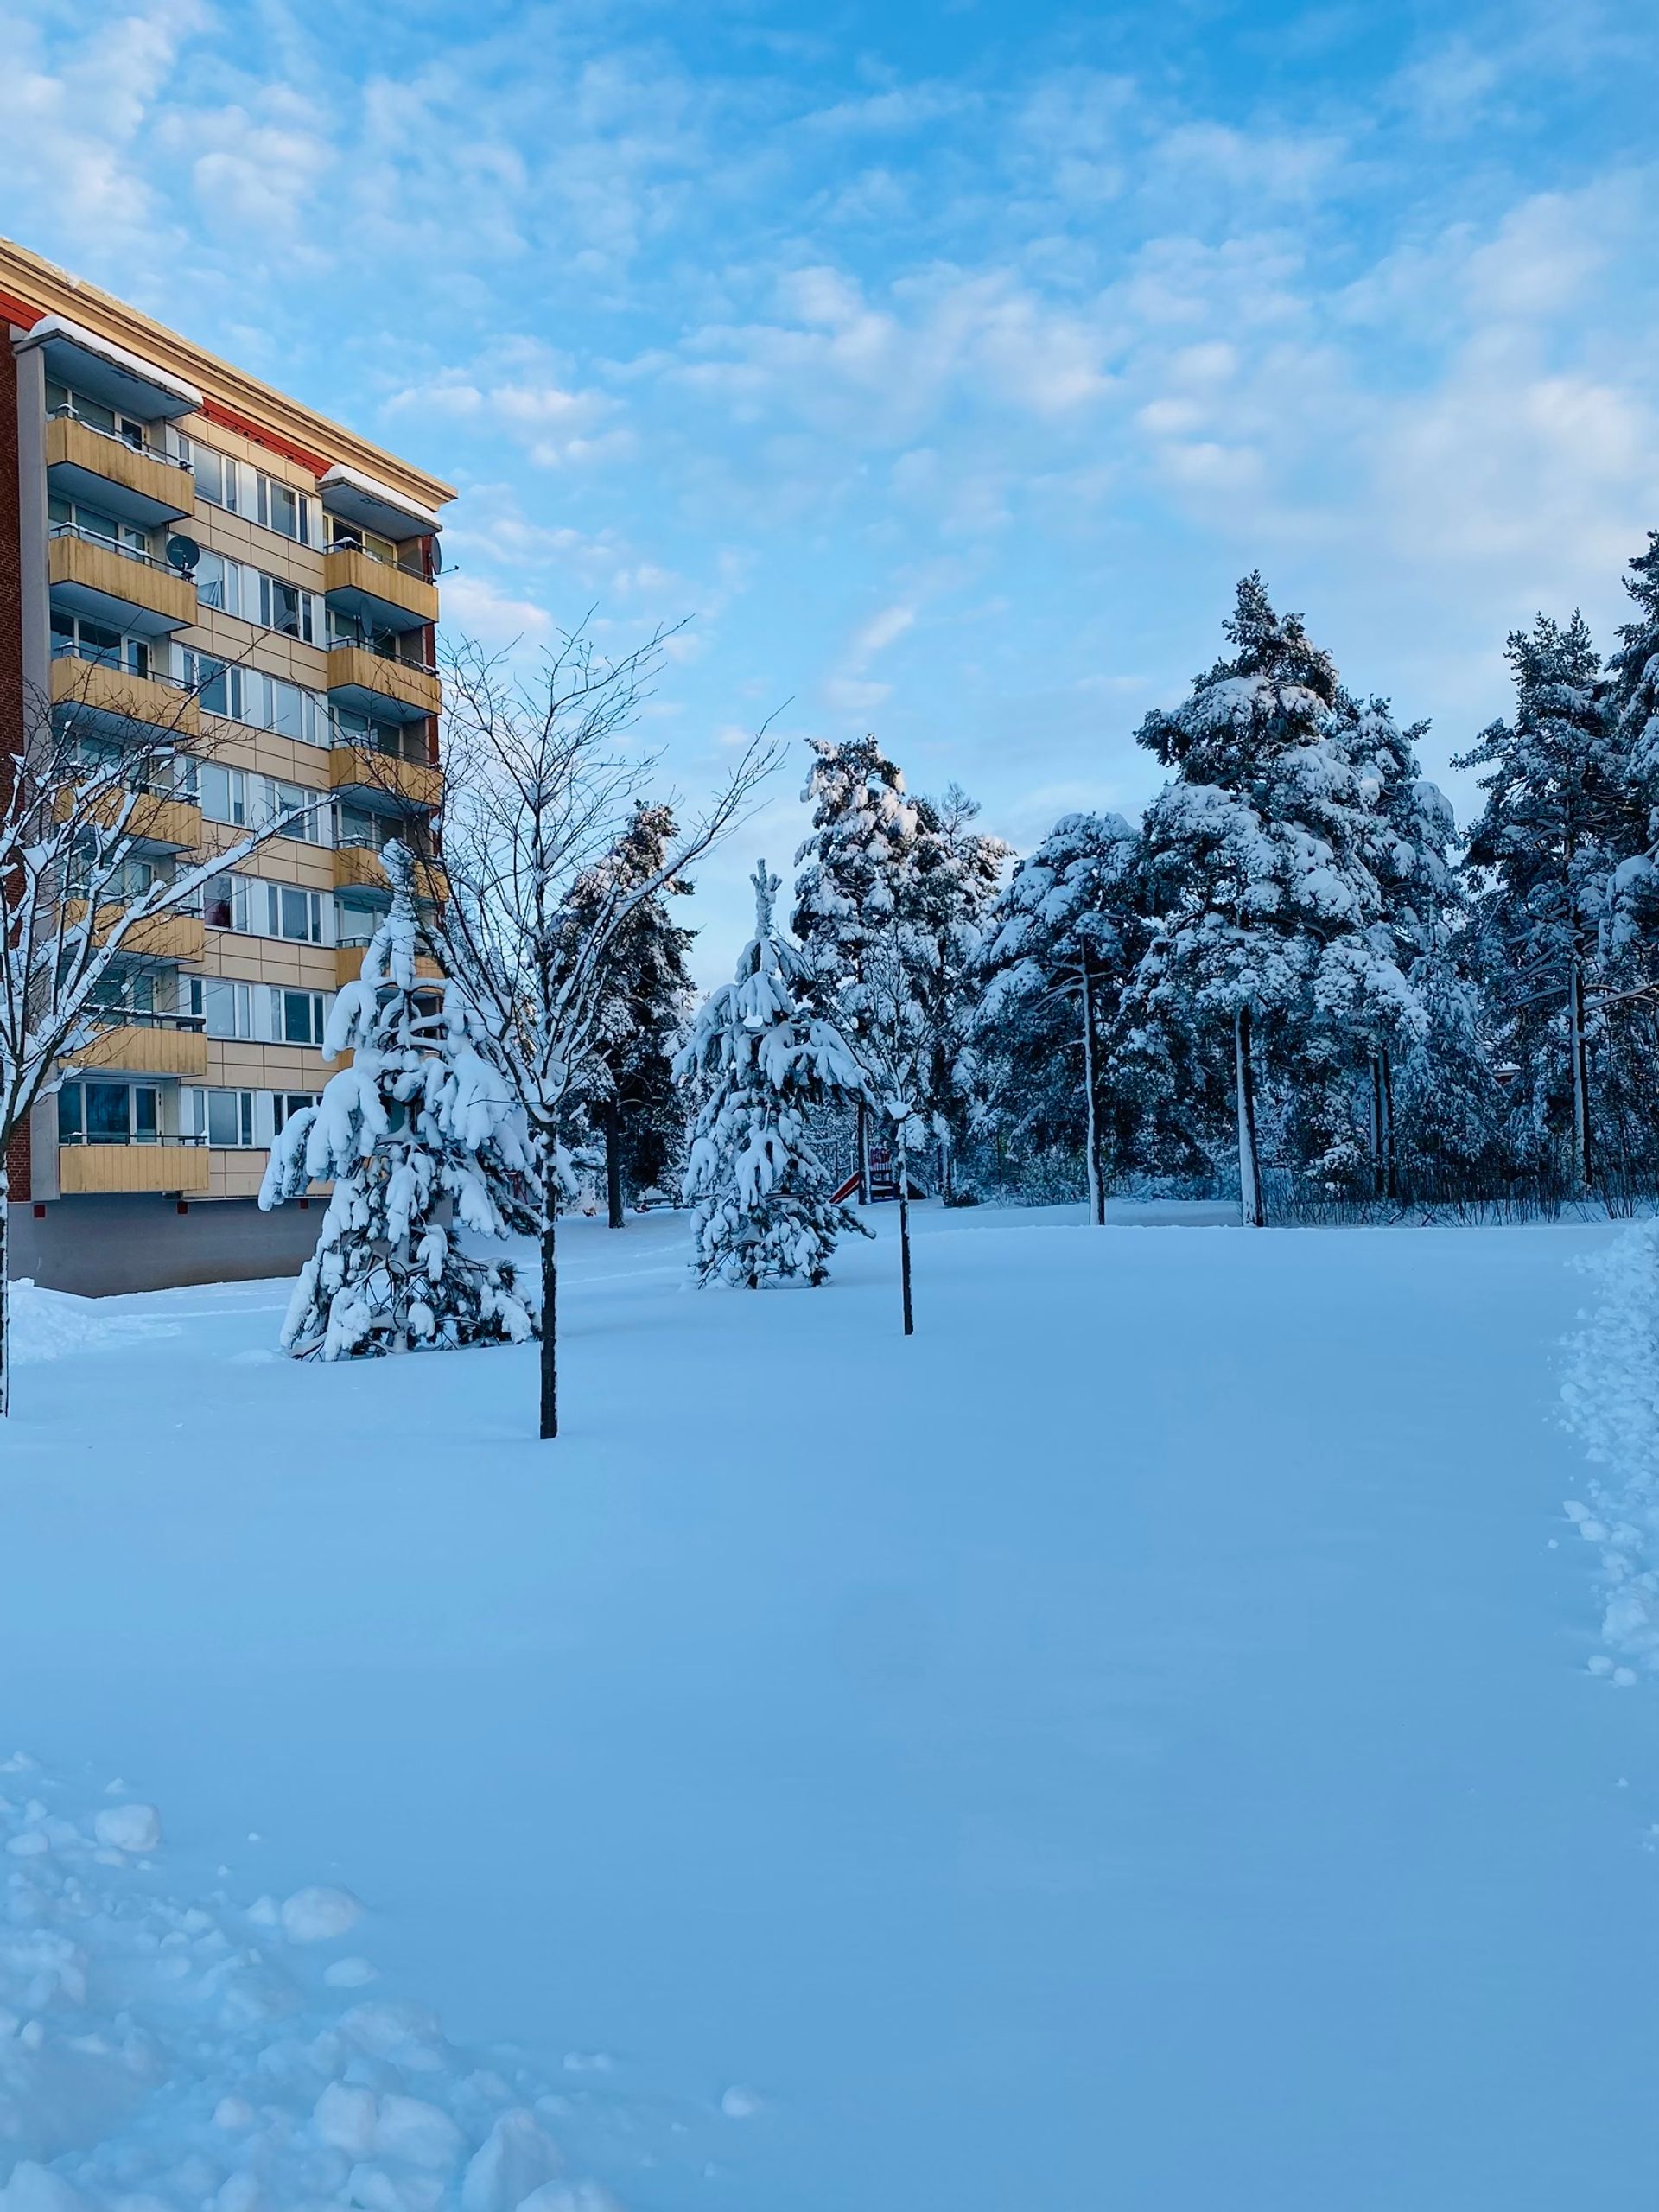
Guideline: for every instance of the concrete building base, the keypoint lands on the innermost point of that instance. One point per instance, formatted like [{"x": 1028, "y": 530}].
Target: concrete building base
[{"x": 98, "y": 1246}]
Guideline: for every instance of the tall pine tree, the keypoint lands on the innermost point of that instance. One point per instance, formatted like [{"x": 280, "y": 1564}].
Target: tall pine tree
[
  {"x": 1258, "y": 859},
  {"x": 1560, "y": 813},
  {"x": 856, "y": 872}
]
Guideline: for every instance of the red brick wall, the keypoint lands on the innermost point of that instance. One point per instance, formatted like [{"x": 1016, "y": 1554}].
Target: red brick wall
[{"x": 17, "y": 1164}]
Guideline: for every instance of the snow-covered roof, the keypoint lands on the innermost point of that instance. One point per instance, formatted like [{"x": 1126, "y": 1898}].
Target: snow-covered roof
[
  {"x": 366, "y": 501},
  {"x": 106, "y": 371}
]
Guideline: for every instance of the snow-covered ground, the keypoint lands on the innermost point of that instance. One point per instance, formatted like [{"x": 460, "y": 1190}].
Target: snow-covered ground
[{"x": 1132, "y": 1746}]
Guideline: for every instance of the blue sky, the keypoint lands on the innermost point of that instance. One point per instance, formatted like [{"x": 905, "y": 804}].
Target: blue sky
[{"x": 945, "y": 362}]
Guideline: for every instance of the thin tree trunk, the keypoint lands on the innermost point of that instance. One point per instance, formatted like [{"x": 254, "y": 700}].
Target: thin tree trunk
[
  {"x": 1379, "y": 1173},
  {"x": 5, "y": 1282},
  {"x": 551, "y": 1195},
  {"x": 613, "y": 1162},
  {"x": 1091, "y": 1101},
  {"x": 903, "y": 1230},
  {"x": 863, "y": 1154},
  {"x": 1390, "y": 1156},
  {"x": 1249, "y": 1167},
  {"x": 1580, "y": 1078}
]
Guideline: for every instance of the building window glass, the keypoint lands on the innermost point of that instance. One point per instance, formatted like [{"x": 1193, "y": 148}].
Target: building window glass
[
  {"x": 298, "y": 1017},
  {"x": 109, "y": 1113},
  {"x": 224, "y": 1117}
]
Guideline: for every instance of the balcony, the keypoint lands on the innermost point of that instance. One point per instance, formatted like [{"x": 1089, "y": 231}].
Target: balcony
[
  {"x": 115, "y": 584},
  {"x": 348, "y": 964},
  {"x": 148, "y": 1043},
  {"x": 160, "y": 821},
  {"x": 369, "y": 684},
  {"x": 386, "y": 781},
  {"x": 101, "y": 1170},
  {"x": 107, "y": 695},
  {"x": 105, "y": 471},
  {"x": 170, "y": 938},
  {"x": 357, "y": 868},
  {"x": 360, "y": 584}
]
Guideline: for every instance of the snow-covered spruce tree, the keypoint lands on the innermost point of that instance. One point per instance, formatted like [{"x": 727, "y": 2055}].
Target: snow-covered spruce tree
[
  {"x": 1267, "y": 911},
  {"x": 418, "y": 1125},
  {"x": 1561, "y": 813},
  {"x": 628, "y": 1090},
  {"x": 855, "y": 872},
  {"x": 763, "y": 1058},
  {"x": 1064, "y": 938}
]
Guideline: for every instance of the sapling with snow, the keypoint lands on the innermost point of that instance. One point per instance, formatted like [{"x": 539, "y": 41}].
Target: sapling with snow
[
  {"x": 427, "y": 1151},
  {"x": 540, "y": 785},
  {"x": 765, "y": 1059}
]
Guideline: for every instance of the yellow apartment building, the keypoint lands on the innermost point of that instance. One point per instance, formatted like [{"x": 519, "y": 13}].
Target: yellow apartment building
[{"x": 181, "y": 544}]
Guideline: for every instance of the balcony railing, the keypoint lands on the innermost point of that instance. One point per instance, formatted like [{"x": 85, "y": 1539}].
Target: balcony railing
[
  {"x": 100, "y": 538},
  {"x": 63, "y": 649},
  {"x": 137, "y": 1017},
  {"x": 151, "y": 452},
  {"x": 395, "y": 659},
  {"x": 349, "y": 545},
  {"x": 71, "y": 1137}
]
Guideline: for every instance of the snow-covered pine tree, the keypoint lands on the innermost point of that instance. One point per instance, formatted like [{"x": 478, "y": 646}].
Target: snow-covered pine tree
[
  {"x": 628, "y": 1087},
  {"x": 1064, "y": 937},
  {"x": 419, "y": 1124},
  {"x": 1431, "y": 1088},
  {"x": 855, "y": 872},
  {"x": 764, "y": 1058},
  {"x": 1266, "y": 906},
  {"x": 1561, "y": 813},
  {"x": 949, "y": 903}
]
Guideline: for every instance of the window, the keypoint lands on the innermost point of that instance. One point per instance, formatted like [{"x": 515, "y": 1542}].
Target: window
[
  {"x": 309, "y": 828},
  {"x": 109, "y": 1113},
  {"x": 123, "y": 996},
  {"x": 224, "y": 793},
  {"x": 280, "y": 508},
  {"x": 248, "y": 694},
  {"x": 343, "y": 534},
  {"x": 352, "y": 728},
  {"x": 60, "y": 400},
  {"x": 226, "y": 1009},
  {"x": 210, "y": 680},
  {"x": 285, "y": 1104},
  {"x": 218, "y": 583},
  {"x": 75, "y": 637},
  {"x": 82, "y": 521},
  {"x": 216, "y": 477},
  {"x": 297, "y": 1017},
  {"x": 285, "y": 606},
  {"x": 224, "y": 1118},
  {"x": 225, "y": 902},
  {"x": 297, "y": 915},
  {"x": 262, "y": 909}
]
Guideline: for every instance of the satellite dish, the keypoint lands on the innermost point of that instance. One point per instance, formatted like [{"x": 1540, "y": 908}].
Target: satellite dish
[{"x": 182, "y": 554}]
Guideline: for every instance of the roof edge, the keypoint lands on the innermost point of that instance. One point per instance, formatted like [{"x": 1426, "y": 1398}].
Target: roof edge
[{"x": 39, "y": 285}]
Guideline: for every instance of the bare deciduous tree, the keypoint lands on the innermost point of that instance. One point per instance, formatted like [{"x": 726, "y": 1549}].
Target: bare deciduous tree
[
  {"x": 540, "y": 781},
  {"x": 79, "y": 791}
]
